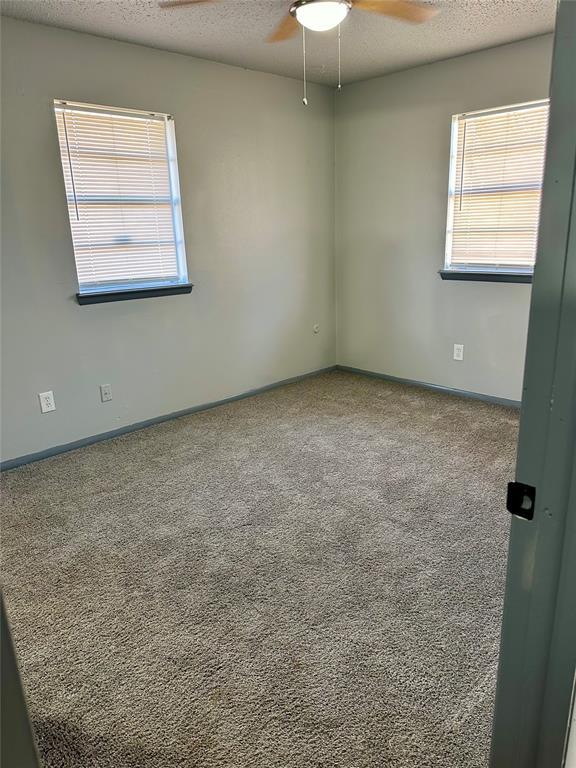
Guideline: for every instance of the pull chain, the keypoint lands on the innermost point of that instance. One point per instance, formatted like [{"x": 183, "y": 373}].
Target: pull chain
[
  {"x": 339, "y": 62},
  {"x": 305, "y": 99}
]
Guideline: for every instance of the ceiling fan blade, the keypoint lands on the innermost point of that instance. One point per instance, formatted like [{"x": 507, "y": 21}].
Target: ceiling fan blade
[
  {"x": 176, "y": 3},
  {"x": 398, "y": 9},
  {"x": 285, "y": 30}
]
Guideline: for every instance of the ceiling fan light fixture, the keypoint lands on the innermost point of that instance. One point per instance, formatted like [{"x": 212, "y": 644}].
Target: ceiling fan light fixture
[{"x": 320, "y": 15}]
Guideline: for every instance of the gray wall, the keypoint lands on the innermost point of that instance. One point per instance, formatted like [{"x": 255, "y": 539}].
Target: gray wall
[
  {"x": 256, "y": 173},
  {"x": 395, "y": 315},
  {"x": 257, "y": 178}
]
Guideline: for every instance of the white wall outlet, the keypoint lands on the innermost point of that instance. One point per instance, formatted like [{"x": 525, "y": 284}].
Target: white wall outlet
[
  {"x": 105, "y": 392},
  {"x": 47, "y": 403},
  {"x": 316, "y": 327},
  {"x": 458, "y": 351}
]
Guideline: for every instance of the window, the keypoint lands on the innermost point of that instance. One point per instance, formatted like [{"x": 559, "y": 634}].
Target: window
[
  {"x": 496, "y": 170},
  {"x": 121, "y": 179}
]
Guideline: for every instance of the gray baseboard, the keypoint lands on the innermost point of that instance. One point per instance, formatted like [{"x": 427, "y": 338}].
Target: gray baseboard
[
  {"x": 55, "y": 450},
  {"x": 435, "y": 387}
]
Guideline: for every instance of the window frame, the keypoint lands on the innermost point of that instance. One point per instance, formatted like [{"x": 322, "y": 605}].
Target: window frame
[
  {"x": 119, "y": 290},
  {"x": 479, "y": 272}
]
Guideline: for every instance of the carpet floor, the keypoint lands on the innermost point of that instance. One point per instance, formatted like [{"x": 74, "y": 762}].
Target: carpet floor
[{"x": 310, "y": 577}]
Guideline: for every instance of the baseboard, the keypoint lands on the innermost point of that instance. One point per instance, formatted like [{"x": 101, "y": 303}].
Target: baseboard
[
  {"x": 57, "y": 449},
  {"x": 435, "y": 387}
]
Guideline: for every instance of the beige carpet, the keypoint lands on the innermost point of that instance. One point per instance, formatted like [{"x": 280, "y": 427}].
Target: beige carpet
[{"x": 310, "y": 577}]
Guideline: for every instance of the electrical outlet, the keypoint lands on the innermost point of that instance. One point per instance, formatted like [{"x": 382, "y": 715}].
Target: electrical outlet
[
  {"x": 105, "y": 392},
  {"x": 47, "y": 403},
  {"x": 458, "y": 351},
  {"x": 316, "y": 327}
]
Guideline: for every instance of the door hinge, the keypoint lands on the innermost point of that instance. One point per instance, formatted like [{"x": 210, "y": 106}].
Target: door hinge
[{"x": 520, "y": 500}]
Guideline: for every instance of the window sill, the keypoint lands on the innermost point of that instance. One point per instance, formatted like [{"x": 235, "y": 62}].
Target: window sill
[
  {"x": 486, "y": 277},
  {"x": 126, "y": 295}
]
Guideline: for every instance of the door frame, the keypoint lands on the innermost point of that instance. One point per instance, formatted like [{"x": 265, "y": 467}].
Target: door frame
[
  {"x": 17, "y": 747},
  {"x": 538, "y": 644}
]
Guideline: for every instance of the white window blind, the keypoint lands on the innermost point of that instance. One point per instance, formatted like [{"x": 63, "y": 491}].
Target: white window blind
[
  {"x": 496, "y": 171},
  {"x": 121, "y": 179}
]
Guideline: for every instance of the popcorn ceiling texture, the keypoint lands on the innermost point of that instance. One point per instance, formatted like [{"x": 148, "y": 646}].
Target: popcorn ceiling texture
[
  {"x": 309, "y": 577},
  {"x": 234, "y": 32}
]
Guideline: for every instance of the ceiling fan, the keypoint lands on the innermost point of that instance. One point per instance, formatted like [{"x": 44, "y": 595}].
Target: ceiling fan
[{"x": 322, "y": 15}]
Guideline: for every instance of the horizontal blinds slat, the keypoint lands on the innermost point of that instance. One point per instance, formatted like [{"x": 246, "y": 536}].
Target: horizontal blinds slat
[
  {"x": 496, "y": 187},
  {"x": 118, "y": 188}
]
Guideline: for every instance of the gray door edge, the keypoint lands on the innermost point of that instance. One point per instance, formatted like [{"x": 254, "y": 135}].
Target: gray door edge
[{"x": 533, "y": 700}]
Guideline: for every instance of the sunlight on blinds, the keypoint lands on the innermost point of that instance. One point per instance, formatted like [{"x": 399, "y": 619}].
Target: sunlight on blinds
[
  {"x": 122, "y": 190},
  {"x": 496, "y": 173}
]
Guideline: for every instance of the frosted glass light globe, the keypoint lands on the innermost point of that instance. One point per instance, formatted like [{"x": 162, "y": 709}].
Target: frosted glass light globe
[{"x": 322, "y": 15}]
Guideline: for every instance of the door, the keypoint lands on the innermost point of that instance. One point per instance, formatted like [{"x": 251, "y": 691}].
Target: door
[
  {"x": 538, "y": 645},
  {"x": 17, "y": 749}
]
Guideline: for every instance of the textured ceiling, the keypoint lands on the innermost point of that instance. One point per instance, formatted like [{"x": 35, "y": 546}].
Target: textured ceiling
[{"x": 233, "y": 32}]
